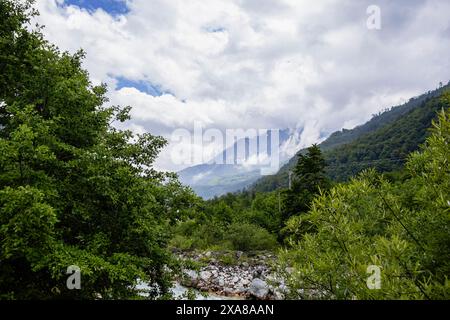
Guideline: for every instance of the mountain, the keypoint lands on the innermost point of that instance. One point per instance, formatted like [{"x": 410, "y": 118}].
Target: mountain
[
  {"x": 218, "y": 177},
  {"x": 210, "y": 180},
  {"x": 383, "y": 142}
]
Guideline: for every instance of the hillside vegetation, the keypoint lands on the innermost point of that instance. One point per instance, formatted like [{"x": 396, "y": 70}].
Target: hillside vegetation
[{"x": 382, "y": 143}]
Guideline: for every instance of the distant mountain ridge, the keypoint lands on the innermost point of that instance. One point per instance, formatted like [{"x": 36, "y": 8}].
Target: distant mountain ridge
[{"x": 215, "y": 178}]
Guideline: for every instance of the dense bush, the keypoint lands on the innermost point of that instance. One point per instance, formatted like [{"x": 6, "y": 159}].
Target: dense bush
[
  {"x": 248, "y": 237},
  {"x": 192, "y": 234},
  {"x": 217, "y": 235}
]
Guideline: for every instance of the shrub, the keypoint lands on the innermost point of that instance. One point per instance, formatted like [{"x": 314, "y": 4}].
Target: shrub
[
  {"x": 181, "y": 242},
  {"x": 248, "y": 237}
]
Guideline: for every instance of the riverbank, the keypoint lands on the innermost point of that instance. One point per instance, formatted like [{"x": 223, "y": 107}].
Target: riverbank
[{"x": 233, "y": 274}]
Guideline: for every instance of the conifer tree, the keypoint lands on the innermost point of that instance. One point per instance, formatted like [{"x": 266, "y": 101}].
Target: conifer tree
[{"x": 308, "y": 179}]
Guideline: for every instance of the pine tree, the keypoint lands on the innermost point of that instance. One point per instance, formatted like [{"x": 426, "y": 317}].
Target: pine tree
[{"x": 309, "y": 178}]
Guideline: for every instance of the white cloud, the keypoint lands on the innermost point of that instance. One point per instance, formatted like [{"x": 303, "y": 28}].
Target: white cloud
[{"x": 258, "y": 63}]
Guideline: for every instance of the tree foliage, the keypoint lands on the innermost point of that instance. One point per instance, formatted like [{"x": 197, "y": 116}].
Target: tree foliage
[
  {"x": 74, "y": 190},
  {"x": 308, "y": 180},
  {"x": 402, "y": 228}
]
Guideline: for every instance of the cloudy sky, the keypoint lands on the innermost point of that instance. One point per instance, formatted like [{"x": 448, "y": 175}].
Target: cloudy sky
[{"x": 254, "y": 63}]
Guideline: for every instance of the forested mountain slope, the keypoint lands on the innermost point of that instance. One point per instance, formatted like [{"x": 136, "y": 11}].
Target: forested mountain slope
[{"x": 383, "y": 142}]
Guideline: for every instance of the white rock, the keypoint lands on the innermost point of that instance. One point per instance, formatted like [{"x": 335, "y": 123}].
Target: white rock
[
  {"x": 259, "y": 288},
  {"x": 245, "y": 282},
  {"x": 192, "y": 273},
  {"x": 205, "y": 275}
]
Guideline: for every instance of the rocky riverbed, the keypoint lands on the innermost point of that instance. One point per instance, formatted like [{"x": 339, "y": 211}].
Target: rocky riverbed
[{"x": 234, "y": 274}]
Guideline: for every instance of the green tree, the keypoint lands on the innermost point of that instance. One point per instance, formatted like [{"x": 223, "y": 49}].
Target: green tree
[
  {"x": 266, "y": 211},
  {"x": 308, "y": 180},
  {"x": 73, "y": 189}
]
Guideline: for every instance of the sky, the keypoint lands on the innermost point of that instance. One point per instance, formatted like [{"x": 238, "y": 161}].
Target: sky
[{"x": 254, "y": 64}]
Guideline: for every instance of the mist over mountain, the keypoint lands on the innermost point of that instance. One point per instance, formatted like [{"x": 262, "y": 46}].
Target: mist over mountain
[
  {"x": 347, "y": 151},
  {"x": 383, "y": 142},
  {"x": 219, "y": 176}
]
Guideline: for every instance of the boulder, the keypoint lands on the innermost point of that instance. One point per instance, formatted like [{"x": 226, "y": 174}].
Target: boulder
[
  {"x": 190, "y": 279},
  {"x": 219, "y": 281},
  {"x": 205, "y": 275},
  {"x": 259, "y": 289}
]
